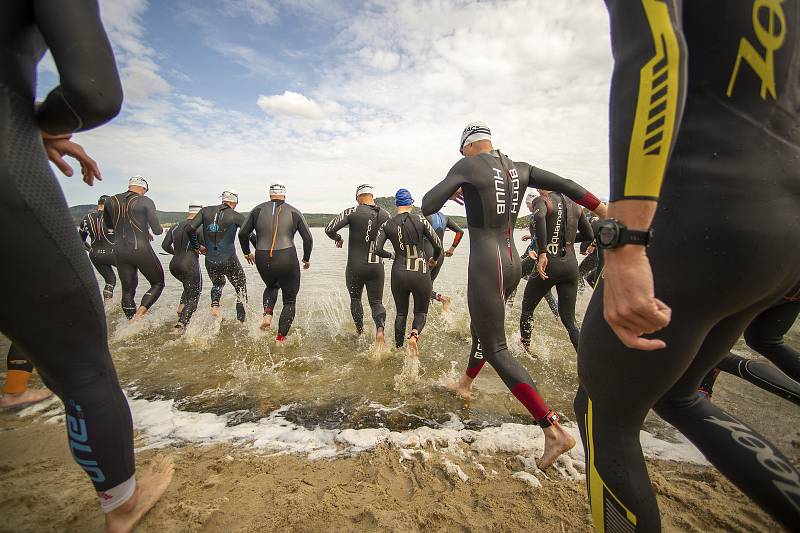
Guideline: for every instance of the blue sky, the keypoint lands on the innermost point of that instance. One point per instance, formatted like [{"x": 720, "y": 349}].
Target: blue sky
[{"x": 324, "y": 95}]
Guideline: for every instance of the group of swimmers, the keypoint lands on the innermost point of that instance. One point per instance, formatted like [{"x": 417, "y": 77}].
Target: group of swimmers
[{"x": 703, "y": 129}]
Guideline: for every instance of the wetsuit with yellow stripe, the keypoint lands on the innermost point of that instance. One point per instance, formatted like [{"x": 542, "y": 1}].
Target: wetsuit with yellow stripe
[
  {"x": 101, "y": 249},
  {"x": 276, "y": 224},
  {"x": 704, "y": 119},
  {"x": 132, "y": 216}
]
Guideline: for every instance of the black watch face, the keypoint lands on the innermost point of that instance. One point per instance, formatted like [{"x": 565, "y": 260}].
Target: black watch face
[{"x": 606, "y": 235}]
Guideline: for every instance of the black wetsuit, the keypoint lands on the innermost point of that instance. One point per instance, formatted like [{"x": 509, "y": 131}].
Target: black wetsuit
[
  {"x": 275, "y": 223},
  {"x": 410, "y": 271},
  {"x": 185, "y": 266},
  {"x": 364, "y": 268},
  {"x": 50, "y": 277},
  {"x": 101, "y": 249},
  {"x": 765, "y": 336},
  {"x": 493, "y": 188},
  {"x": 528, "y": 266},
  {"x": 130, "y": 215},
  {"x": 588, "y": 268},
  {"x": 714, "y": 83},
  {"x": 219, "y": 223},
  {"x": 441, "y": 222},
  {"x": 556, "y": 223}
]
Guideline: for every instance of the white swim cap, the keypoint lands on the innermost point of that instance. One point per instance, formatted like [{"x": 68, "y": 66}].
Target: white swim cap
[
  {"x": 138, "y": 181},
  {"x": 365, "y": 188},
  {"x": 230, "y": 196},
  {"x": 277, "y": 189},
  {"x": 475, "y": 131},
  {"x": 195, "y": 207}
]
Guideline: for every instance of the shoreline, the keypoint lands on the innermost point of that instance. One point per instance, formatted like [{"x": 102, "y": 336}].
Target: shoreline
[{"x": 224, "y": 488}]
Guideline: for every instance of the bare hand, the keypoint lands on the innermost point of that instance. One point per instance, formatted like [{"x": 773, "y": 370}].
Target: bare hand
[
  {"x": 250, "y": 258},
  {"x": 533, "y": 255},
  {"x": 306, "y": 265},
  {"x": 202, "y": 250},
  {"x": 432, "y": 262},
  {"x": 449, "y": 253},
  {"x": 542, "y": 266},
  {"x": 339, "y": 243},
  {"x": 58, "y": 146},
  {"x": 526, "y": 238},
  {"x": 590, "y": 249},
  {"x": 458, "y": 196},
  {"x": 631, "y": 308}
]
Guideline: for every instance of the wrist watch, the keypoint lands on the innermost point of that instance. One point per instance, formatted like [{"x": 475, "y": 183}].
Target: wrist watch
[{"x": 611, "y": 233}]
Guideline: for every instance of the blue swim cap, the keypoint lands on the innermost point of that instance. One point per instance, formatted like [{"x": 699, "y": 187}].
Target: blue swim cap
[{"x": 402, "y": 198}]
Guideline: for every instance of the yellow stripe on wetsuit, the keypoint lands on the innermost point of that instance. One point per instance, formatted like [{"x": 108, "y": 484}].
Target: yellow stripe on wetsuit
[
  {"x": 654, "y": 125},
  {"x": 608, "y": 512}
]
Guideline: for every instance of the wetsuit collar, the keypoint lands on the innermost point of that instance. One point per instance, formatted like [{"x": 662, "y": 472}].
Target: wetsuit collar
[{"x": 278, "y": 202}]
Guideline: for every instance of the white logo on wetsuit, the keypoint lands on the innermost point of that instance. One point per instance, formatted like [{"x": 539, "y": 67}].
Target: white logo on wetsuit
[
  {"x": 553, "y": 247},
  {"x": 500, "y": 190},
  {"x": 478, "y": 351},
  {"x": 789, "y": 485}
]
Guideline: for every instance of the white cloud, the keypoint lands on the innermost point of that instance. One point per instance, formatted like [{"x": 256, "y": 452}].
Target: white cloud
[
  {"x": 259, "y": 11},
  {"x": 290, "y": 103}
]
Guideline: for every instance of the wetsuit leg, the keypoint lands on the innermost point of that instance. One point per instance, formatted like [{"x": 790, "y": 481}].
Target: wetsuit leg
[
  {"x": 73, "y": 357},
  {"x": 129, "y": 277},
  {"x": 191, "y": 278},
  {"x": 216, "y": 272},
  {"x": 19, "y": 371},
  {"x": 375, "y": 298},
  {"x": 586, "y": 266},
  {"x": 765, "y": 335},
  {"x": 151, "y": 269},
  {"x": 421, "y": 291},
  {"x": 290, "y": 286},
  {"x": 535, "y": 289},
  {"x": 434, "y": 275},
  {"x": 267, "y": 270},
  {"x": 236, "y": 275},
  {"x": 401, "y": 294},
  {"x": 551, "y": 302},
  {"x": 759, "y": 373},
  {"x": 107, "y": 272},
  {"x": 355, "y": 287},
  {"x": 567, "y": 295}
]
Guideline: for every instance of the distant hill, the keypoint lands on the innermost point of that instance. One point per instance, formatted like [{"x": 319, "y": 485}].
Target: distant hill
[{"x": 315, "y": 220}]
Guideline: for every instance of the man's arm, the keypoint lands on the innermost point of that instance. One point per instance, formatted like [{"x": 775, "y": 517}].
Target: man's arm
[
  {"x": 83, "y": 231},
  {"x": 192, "y": 229},
  {"x": 246, "y": 229},
  {"x": 341, "y": 220},
  {"x": 152, "y": 218},
  {"x": 544, "y": 179},
  {"x": 433, "y": 238},
  {"x": 435, "y": 198},
  {"x": 380, "y": 240},
  {"x": 305, "y": 234},
  {"x": 452, "y": 226},
  {"x": 168, "y": 244}
]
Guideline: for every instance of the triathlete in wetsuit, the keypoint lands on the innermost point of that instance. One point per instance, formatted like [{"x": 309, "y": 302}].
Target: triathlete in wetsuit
[
  {"x": 364, "y": 268},
  {"x": 441, "y": 222},
  {"x": 129, "y": 215},
  {"x": 275, "y": 223},
  {"x": 493, "y": 187},
  {"x": 528, "y": 260},
  {"x": 713, "y": 83},
  {"x": 15, "y": 390},
  {"x": 556, "y": 221},
  {"x": 185, "y": 264},
  {"x": 411, "y": 268},
  {"x": 101, "y": 249},
  {"x": 220, "y": 223},
  {"x": 50, "y": 277},
  {"x": 765, "y": 336}
]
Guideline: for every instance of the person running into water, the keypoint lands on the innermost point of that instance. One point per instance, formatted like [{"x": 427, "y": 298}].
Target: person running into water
[
  {"x": 528, "y": 259},
  {"x": 52, "y": 279},
  {"x": 765, "y": 336},
  {"x": 15, "y": 390},
  {"x": 492, "y": 187},
  {"x": 556, "y": 221},
  {"x": 185, "y": 264},
  {"x": 129, "y": 214},
  {"x": 441, "y": 222},
  {"x": 219, "y": 224},
  {"x": 101, "y": 249},
  {"x": 275, "y": 224},
  {"x": 364, "y": 268},
  {"x": 703, "y": 120},
  {"x": 410, "y": 271}
]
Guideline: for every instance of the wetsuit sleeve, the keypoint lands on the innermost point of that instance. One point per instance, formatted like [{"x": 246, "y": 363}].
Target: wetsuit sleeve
[
  {"x": 152, "y": 218},
  {"x": 539, "y": 218},
  {"x": 648, "y": 90},
  {"x": 585, "y": 231},
  {"x": 247, "y": 229},
  {"x": 167, "y": 244},
  {"x": 90, "y": 92},
  {"x": 544, "y": 179},
  {"x": 192, "y": 229},
  {"x": 305, "y": 234},
  {"x": 380, "y": 240},
  {"x": 452, "y": 226},
  {"x": 83, "y": 231},
  {"x": 534, "y": 245},
  {"x": 433, "y": 238},
  {"x": 333, "y": 227},
  {"x": 434, "y": 199}
]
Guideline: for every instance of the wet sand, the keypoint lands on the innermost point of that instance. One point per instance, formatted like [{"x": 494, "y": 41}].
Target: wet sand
[{"x": 220, "y": 488}]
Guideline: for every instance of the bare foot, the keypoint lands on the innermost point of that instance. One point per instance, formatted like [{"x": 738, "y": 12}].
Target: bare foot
[
  {"x": 180, "y": 309},
  {"x": 140, "y": 313},
  {"x": 107, "y": 301},
  {"x": 215, "y": 311},
  {"x": 526, "y": 347},
  {"x": 556, "y": 442},
  {"x": 413, "y": 344},
  {"x": 462, "y": 388},
  {"x": 266, "y": 322},
  {"x": 446, "y": 303},
  {"x": 380, "y": 341},
  {"x": 24, "y": 398},
  {"x": 150, "y": 486},
  {"x": 179, "y": 328}
]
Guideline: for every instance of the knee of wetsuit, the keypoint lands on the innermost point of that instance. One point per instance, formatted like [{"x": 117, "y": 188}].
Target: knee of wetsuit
[{"x": 755, "y": 339}]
